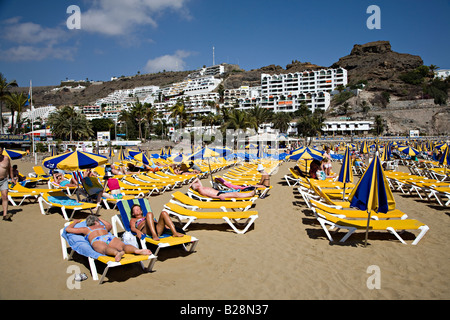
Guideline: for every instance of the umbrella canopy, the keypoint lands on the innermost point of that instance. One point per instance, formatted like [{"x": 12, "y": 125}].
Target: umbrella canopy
[
  {"x": 445, "y": 158},
  {"x": 121, "y": 154},
  {"x": 372, "y": 192},
  {"x": 222, "y": 151},
  {"x": 14, "y": 154},
  {"x": 204, "y": 153},
  {"x": 251, "y": 146},
  {"x": 441, "y": 146},
  {"x": 178, "y": 158},
  {"x": 346, "y": 173},
  {"x": 75, "y": 160},
  {"x": 306, "y": 153},
  {"x": 409, "y": 151},
  {"x": 386, "y": 152},
  {"x": 140, "y": 156},
  {"x": 364, "y": 147}
]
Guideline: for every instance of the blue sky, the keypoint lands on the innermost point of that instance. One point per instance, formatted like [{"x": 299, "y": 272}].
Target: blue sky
[{"x": 122, "y": 37}]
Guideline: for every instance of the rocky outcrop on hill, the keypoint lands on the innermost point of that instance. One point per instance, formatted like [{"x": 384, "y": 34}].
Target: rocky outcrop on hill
[{"x": 380, "y": 66}]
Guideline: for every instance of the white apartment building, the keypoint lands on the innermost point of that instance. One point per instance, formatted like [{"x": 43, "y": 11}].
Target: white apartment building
[
  {"x": 442, "y": 73},
  {"x": 290, "y": 89},
  {"x": 216, "y": 70},
  {"x": 347, "y": 127}
]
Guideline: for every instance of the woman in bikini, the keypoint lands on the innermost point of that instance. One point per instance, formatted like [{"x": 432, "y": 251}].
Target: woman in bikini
[
  {"x": 101, "y": 240},
  {"x": 215, "y": 194},
  {"x": 146, "y": 225}
]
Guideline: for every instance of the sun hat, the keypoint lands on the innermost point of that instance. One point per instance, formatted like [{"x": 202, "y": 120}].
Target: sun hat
[{"x": 260, "y": 167}]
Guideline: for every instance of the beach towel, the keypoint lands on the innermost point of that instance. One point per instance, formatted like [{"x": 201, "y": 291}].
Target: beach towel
[
  {"x": 78, "y": 242},
  {"x": 64, "y": 201}
]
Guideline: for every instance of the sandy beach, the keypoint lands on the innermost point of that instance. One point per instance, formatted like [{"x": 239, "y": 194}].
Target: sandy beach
[{"x": 284, "y": 256}]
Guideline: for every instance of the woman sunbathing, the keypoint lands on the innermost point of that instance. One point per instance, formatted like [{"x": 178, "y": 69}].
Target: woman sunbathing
[
  {"x": 146, "y": 225},
  {"x": 213, "y": 193},
  {"x": 60, "y": 180},
  {"x": 101, "y": 240}
]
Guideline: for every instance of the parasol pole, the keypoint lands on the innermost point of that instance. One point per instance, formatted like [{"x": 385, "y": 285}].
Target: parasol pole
[{"x": 367, "y": 228}]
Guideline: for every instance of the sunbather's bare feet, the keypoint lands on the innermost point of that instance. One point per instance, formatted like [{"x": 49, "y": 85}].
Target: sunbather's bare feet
[
  {"x": 143, "y": 251},
  {"x": 119, "y": 255},
  {"x": 176, "y": 234},
  {"x": 155, "y": 238}
]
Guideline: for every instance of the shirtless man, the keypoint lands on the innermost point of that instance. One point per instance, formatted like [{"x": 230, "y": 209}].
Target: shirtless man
[
  {"x": 5, "y": 171},
  {"x": 101, "y": 240},
  {"x": 213, "y": 193}
]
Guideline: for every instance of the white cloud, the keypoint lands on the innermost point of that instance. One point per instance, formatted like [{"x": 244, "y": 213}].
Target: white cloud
[
  {"x": 31, "y": 33},
  {"x": 33, "y": 42},
  {"x": 173, "y": 62},
  {"x": 121, "y": 17},
  {"x": 33, "y": 53}
]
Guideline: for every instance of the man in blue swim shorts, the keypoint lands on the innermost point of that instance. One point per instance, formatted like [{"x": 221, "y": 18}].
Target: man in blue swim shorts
[{"x": 5, "y": 171}]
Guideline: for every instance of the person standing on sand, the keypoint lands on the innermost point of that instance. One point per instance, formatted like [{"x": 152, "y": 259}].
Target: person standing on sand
[{"x": 5, "y": 171}]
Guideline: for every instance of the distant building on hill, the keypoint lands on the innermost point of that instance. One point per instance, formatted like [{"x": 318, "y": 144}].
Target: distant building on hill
[{"x": 442, "y": 73}]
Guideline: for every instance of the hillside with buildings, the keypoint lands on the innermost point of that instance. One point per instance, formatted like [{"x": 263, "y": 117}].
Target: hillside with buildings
[{"x": 367, "y": 83}]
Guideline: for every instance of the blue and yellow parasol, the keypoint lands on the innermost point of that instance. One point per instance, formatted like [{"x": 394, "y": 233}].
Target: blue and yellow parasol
[{"x": 372, "y": 192}]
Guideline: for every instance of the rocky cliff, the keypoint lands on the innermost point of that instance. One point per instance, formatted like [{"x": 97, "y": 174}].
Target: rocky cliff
[{"x": 376, "y": 63}]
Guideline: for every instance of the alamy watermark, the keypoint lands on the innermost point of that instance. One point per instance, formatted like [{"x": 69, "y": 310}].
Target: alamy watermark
[
  {"x": 374, "y": 20},
  {"x": 74, "y": 20},
  {"x": 71, "y": 283},
  {"x": 374, "y": 280}
]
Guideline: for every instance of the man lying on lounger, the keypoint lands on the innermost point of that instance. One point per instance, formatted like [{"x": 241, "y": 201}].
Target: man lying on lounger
[
  {"x": 215, "y": 194},
  {"x": 101, "y": 240}
]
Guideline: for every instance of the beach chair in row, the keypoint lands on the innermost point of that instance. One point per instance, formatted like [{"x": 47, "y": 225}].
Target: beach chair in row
[
  {"x": 232, "y": 218},
  {"x": 354, "y": 213},
  {"x": 21, "y": 193},
  {"x": 40, "y": 174},
  {"x": 58, "y": 199},
  {"x": 155, "y": 187},
  {"x": 197, "y": 196},
  {"x": 193, "y": 204},
  {"x": 80, "y": 245},
  {"x": 351, "y": 225},
  {"x": 165, "y": 240},
  {"x": 92, "y": 187}
]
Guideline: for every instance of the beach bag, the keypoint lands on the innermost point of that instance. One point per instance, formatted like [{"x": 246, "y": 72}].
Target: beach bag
[
  {"x": 129, "y": 238},
  {"x": 321, "y": 175}
]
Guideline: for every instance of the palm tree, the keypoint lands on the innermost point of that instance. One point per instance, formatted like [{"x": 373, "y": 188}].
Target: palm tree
[
  {"x": 260, "y": 116},
  {"x": 4, "y": 91},
  {"x": 150, "y": 113},
  {"x": 179, "y": 110},
  {"x": 239, "y": 119},
  {"x": 138, "y": 112},
  {"x": 310, "y": 124},
  {"x": 16, "y": 102},
  {"x": 379, "y": 124},
  {"x": 78, "y": 127},
  {"x": 281, "y": 121}
]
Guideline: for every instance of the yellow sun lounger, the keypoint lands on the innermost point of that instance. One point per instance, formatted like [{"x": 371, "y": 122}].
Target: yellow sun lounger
[
  {"x": 186, "y": 201},
  {"x": 79, "y": 244},
  {"x": 60, "y": 200},
  {"x": 356, "y": 213},
  {"x": 165, "y": 240},
  {"x": 39, "y": 173},
  {"x": 391, "y": 225},
  {"x": 21, "y": 192},
  {"x": 231, "y": 218},
  {"x": 326, "y": 198}
]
